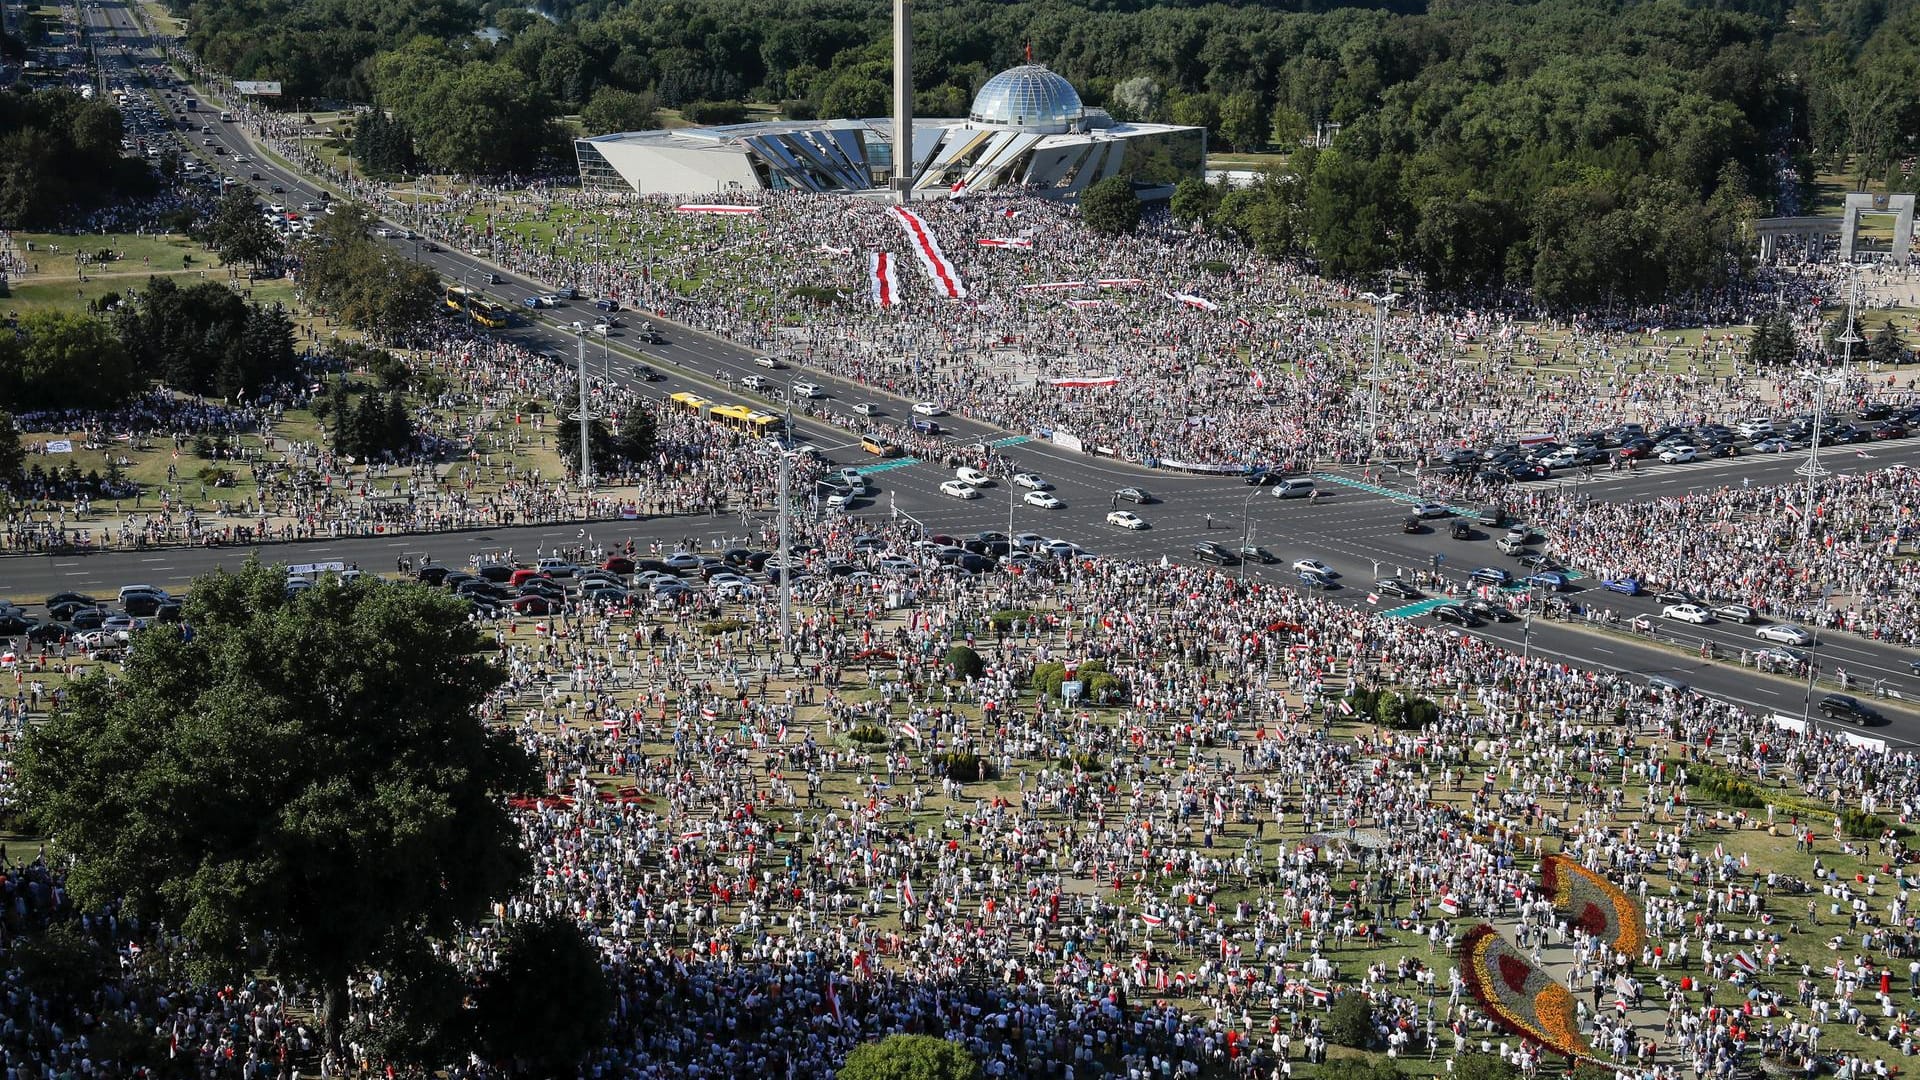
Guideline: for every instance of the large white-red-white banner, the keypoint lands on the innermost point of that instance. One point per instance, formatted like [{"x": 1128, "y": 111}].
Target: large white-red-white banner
[
  {"x": 1193, "y": 301},
  {"x": 1005, "y": 242},
  {"x": 1050, "y": 286},
  {"x": 714, "y": 208},
  {"x": 885, "y": 283},
  {"x": 1119, "y": 282},
  {"x": 1071, "y": 381},
  {"x": 946, "y": 279}
]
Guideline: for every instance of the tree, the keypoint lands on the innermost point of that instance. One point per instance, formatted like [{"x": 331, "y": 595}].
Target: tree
[
  {"x": 637, "y": 434},
  {"x": 910, "y": 1057},
  {"x": 1240, "y": 121},
  {"x": 613, "y": 109},
  {"x": 1193, "y": 200},
  {"x": 240, "y": 230},
  {"x": 65, "y": 360},
  {"x": 298, "y": 782},
  {"x": 1286, "y": 127},
  {"x": 548, "y": 1004},
  {"x": 1774, "y": 341},
  {"x": 853, "y": 96},
  {"x": 1110, "y": 207},
  {"x": 965, "y": 662},
  {"x": 13, "y": 458},
  {"x": 1138, "y": 99},
  {"x": 1350, "y": 1021},
  {"x": 566, "y": 434},
  {"x": 1887, "y": 347}
]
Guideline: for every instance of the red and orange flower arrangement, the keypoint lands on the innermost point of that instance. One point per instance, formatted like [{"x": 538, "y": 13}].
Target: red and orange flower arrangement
[{"x": 1526, "y": 1000}]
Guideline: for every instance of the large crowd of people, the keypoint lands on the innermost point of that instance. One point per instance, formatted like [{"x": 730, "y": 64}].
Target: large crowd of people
[{"x": 786, "y": 848}]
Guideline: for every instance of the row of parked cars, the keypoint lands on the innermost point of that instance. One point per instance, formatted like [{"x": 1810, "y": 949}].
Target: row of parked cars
[
  {"x": 1676, "y": 443},
  {"x": 99, "y": 625}
]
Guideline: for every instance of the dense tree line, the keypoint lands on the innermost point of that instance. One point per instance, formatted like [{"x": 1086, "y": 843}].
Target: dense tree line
[
  {"x": 1483, "y": 143},
  {"x": 203, "y": 339},
  {"x": 60, "y": 153}
]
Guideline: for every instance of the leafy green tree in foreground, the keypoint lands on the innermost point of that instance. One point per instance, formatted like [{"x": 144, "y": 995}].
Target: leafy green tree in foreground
[
  {"x": 910, "y": 1057},
  {"x": 548, "y": 1004},
  {"x": 1110, "y": 207},
  {"x": 298, "y": 783}
]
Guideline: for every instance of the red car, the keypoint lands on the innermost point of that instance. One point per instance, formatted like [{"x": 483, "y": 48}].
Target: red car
[
  {"x": 533, "y": 605},
  {"x": 617, "y": 564}
]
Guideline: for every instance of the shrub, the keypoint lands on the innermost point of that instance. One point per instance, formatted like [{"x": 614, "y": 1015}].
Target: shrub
[
  {"x": 1861, "y": 823},
  {"x": 966, "y": 663},
  {"x": 1004, "y": 620},
  {"x": 1724, "y": 786},
  {"x": 713, "y": 112},
  {"x": 1421, "y": 712},
  {"x": 964, "y": 766},
  {"x": 1389, "y": 709},
  {"x": 722, "y": 626},
  {"x": 868, "y": 733},
  {"x": 818, "y": 294},
  {"x": 1105, "y": 689},
  {"x": 1047, "y": 678},
  {"x": 1351, "y": 1021}
]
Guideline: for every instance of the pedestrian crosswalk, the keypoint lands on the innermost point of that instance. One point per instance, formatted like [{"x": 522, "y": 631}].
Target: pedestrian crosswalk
[
  {"x": 889, "y": 464},
  {"x": 1010, "y": 440},
  {"x": 1418, "y": 607},
  {"x": 1386, "y": 492}
]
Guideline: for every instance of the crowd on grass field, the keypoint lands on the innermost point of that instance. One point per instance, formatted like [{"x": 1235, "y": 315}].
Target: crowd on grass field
[{"x": 1184, "y": 881}]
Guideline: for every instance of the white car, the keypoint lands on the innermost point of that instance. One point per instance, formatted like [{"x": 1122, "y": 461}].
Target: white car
[
  {"x": 1679, "y": 455},
  {"x": 959, "y": 490},
  {"x": 1312, "y": 566},
  {"x": 753, "y": 382},
  {"x": 866, "y": 408},
  {"x": 1126, "y": 519},
  {"x": 853, "y": 478},
  {"x": 1031, "y": 481},
  {"x": 1431, "y": 510},
  {"x": 769, "y": 363},
  {"x": 1785, "y": 634},
  {"x": 552, "y": 299},
  {"x": 929, "y": 408},
  {"x": 973, "y": 476},
  {"x": 603, "y": 329},
  {"x": 1045, "y": 500},
  {"x": 807, "y": 390},
  {"x": 1687, "y": 613}
]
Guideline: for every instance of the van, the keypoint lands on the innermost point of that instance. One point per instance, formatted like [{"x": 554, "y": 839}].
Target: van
[
  {"x": 1509, "y": 546},
  {"x": 878, "y": 446},
  {"x": 1296, "y": 488}
]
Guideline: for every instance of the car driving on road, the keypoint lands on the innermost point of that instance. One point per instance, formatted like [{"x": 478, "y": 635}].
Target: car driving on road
[
  {"x": 1687, "y": 613},
  {"x": 1045, "y": 500},
  {"x": 959, "y": 489},
  {"x": 1125, "y": 519},
  {"x": 1784, "y": 634}
]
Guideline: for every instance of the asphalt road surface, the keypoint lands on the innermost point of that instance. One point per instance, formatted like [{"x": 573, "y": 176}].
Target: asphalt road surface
[{"x": 1355, "y": 529}]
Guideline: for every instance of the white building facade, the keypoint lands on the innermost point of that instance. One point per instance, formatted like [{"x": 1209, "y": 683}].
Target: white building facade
[{"x": 1027, "y": 129}]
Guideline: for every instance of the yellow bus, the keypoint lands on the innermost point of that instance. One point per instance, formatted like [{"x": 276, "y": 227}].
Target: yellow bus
[
  {"x": 457, "y": 297},
  {"x": 692, "y": 404},
  {"x": 745, "y": 420},
  {"x": 489, "y": 314}
]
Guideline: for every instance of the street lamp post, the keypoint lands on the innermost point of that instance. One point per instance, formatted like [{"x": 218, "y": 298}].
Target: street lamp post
[
  {"x": 1381, "y": 302},
  {"x": 1246, "y": 529}
]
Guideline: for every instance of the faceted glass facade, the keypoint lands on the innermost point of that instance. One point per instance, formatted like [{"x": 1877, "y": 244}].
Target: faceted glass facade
[{"x": 1029, "y": 98}]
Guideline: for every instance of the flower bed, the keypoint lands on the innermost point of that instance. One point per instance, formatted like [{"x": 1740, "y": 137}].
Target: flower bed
[
  {"x": 1594, "y": 904},
  {"x": 1524, "y": 999}
]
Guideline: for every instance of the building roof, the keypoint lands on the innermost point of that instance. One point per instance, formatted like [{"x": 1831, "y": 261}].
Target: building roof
[{"x": 1029, "y": 98}]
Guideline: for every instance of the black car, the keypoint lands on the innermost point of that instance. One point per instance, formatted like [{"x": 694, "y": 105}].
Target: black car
[
  {"x": 497, "y": 572},
  {"x": 1208, "y": 551},
  {"x": 646, "y": 373},
  {"x": 14, "y": 622},
  {"x": 1460, "y": 529},
  {"x": 1255, "y": 553},
  {"x": 432, "y": 574},
  {"x": 1848, "y": 707},
  {"x": 1488, "y": 610},
  {"x": 1259, "y": 478},
  {"x": 1137, "y": 496},
  {"x": 1413, "y": 524},
  {"x": 47, "y": 633},
  {"x": 1455, "y": 614},
  {"x": 1396, "y": 587},
  {"x": 1539, "y": 561}
]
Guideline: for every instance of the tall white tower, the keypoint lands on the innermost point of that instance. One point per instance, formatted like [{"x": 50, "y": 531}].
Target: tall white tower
[{"x": 903, "y": 100}]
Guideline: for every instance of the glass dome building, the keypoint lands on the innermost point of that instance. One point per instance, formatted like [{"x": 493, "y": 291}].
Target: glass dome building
[
  {"x": 1027, "y": 129},
  {"x": 1029, "y": 98}
]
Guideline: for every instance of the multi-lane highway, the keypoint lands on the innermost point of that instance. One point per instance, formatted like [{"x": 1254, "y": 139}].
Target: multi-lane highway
[{"x": 1355, "y": 528}]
